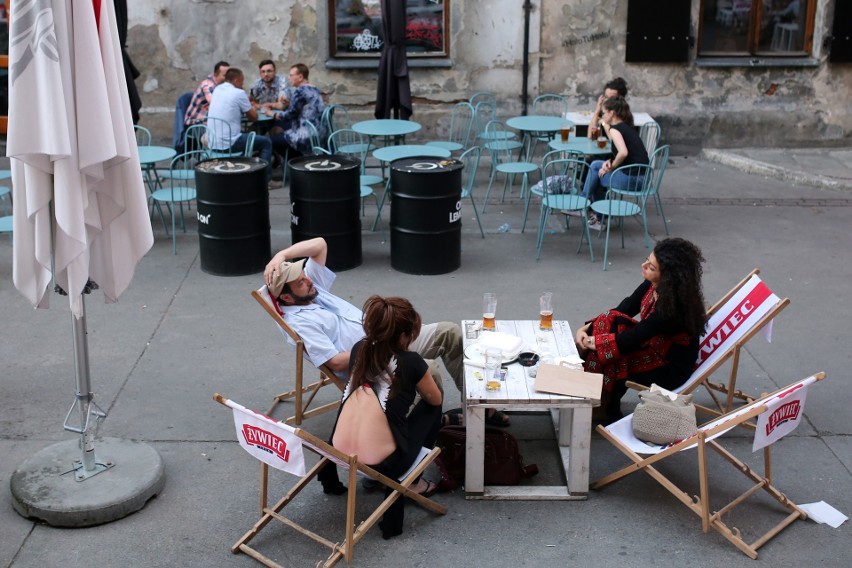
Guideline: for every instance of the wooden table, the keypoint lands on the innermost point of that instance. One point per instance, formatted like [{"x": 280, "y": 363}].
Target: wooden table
[{"x": 572, "y": 416}]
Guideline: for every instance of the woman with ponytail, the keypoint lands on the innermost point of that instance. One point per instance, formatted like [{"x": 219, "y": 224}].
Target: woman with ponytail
[{"x": 376, "y": 420}]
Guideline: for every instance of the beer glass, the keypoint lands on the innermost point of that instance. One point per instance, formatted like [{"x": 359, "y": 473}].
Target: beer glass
[
  {"x": 489, "y": 309},
  {"x": 545, "y": 313},
  {"x": 601, "y": 142}
]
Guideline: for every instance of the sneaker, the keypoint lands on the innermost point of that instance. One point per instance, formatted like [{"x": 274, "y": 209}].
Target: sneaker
[
  {"x": 274, "y": 184},
  {"x": 572, "y": 213}
]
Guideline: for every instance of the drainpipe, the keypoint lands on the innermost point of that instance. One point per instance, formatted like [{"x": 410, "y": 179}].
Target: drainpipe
[{"x": 526, "y": 65}]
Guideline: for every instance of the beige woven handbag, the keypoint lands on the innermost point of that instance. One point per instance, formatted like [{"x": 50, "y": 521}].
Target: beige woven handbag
[{"x": 663, "y": 417}]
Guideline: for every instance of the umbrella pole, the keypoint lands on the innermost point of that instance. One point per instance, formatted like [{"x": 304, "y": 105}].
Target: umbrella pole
[{"x": 87, "y": 466}]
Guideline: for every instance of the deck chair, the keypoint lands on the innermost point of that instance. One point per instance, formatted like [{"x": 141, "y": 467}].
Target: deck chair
[
  {"x": 747, "y": 309},
  {"x": 777, "y": 414},
  {"x": 300, "y": 390},
  {"x": 281, "y": 446}
]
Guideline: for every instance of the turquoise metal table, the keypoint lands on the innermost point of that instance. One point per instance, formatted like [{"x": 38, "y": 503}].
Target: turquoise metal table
[
  {"x": 581, "y": 144},
  {"x": 537, "y": 125},
  {"x": 386, "y": 128},
  {"x": 390, "y": 153}
]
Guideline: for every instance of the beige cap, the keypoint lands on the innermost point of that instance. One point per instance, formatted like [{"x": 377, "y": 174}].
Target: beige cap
[{"x": 287, "y": 272}]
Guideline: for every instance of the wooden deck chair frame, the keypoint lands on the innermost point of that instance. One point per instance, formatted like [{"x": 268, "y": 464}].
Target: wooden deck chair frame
[
  {"x": 354, "y": 469},
  {"x": 617, "y": 435},
  {"x": 727, "y": 390},
  {"x": 302, "y": 394}
]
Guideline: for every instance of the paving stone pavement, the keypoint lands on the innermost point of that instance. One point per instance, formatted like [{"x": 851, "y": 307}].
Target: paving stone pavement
[{"x": 179, "y": 335}]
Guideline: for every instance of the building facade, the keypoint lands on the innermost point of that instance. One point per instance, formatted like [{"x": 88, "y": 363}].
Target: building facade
[{"x": 719, "y": 73}]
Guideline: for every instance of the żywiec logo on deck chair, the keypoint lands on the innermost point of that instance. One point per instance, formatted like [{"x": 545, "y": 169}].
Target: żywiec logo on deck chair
[
  {"x": 747, "y": 309},
  {"x": 281, "y": 446},
  {"x": 300, "y": 390},
  {"x": 777, "y": 415}
]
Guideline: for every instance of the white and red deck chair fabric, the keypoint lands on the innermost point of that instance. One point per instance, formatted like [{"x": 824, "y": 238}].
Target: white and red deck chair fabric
[
  {"x": 777, "y": 415},
  {"x": 744, "y": 311},
  {"x": 281, "y": 446},
  {"x": 302, "y": 394}
]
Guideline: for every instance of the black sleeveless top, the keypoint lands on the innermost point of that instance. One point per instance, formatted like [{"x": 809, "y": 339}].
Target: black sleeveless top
[{"x": 636, "y": 153}]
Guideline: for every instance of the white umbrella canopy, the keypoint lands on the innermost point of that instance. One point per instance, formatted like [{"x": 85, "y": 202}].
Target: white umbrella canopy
[
  {"x": 80, "y": 213},
  {"x": 79, "y": 199}
]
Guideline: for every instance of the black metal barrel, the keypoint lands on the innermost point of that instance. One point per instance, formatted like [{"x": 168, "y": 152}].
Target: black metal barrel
[
  {"x": 426, "y": 215},
  {"x": 325, "y": 201},
  {"x": 233, "y": 216}
]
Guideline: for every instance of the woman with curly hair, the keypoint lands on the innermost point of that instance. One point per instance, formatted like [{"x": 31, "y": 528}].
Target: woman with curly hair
[
  {"x": 374, "y": 421},
  {"x": 662, "y": 346}
]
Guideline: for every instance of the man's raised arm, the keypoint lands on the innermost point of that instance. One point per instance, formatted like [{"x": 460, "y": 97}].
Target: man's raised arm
[{"x": 315, "y": 249}]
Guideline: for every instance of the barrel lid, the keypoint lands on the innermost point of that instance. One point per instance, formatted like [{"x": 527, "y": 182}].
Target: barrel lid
[
  {"x": 230, "y": 165},
  {"x": 426, "y": 165},
  {"x": 324, "y": 163}
]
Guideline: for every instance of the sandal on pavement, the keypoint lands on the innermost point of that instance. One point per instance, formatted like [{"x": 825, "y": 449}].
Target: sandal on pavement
[
  {"x": 431, "y": 489},
  {"x": 499, "y": 419}
]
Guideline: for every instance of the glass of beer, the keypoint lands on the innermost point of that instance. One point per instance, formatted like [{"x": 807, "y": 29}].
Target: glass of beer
[
  {"x": 489, "y": 309},
  {"x": 545, "y": 312},
  {"x": 566, "y": 131},
  {"x": 601, "y": 142}
]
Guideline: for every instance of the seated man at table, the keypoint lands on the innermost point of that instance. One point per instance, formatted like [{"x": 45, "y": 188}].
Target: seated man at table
[
  {"x": 199, "y": 104},
  {"x": 615, "y": 88},
  {"x": 271, "y": 90},
  {"x": 330, "y": 326},
  {"x": 229, "y": 103},
  {"x": 306, "y": 104}
]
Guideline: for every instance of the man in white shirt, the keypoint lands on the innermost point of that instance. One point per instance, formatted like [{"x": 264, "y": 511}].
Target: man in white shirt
[{"x": 228, "y": 105}]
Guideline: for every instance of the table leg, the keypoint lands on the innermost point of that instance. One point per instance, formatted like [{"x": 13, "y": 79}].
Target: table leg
[
  {"x": 581, "y": 439},
  {"x": 474, "y": 474},
  {"x": 381, "y": 203}
]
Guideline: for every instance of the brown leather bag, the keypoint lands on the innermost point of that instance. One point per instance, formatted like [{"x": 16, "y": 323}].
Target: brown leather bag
[{"x": 503, "y": 462}]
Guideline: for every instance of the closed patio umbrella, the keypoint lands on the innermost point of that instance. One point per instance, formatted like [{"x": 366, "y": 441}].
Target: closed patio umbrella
[
  {"x": 394, "y": 90},
  {"x": 80, "y": 212}
]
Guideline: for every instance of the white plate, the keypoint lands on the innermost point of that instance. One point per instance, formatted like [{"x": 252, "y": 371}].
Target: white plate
[{"x": 472, "y": 353}]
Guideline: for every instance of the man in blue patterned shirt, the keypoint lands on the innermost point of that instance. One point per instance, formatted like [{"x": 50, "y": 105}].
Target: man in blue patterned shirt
[{"x": 270, "y": 90}]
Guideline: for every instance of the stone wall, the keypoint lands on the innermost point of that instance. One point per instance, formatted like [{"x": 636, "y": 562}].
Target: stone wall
[{"x": 575, "y": 45}]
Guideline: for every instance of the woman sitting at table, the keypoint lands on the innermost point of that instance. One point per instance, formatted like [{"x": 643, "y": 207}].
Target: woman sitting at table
[
  {"x": 374, "y": 421},
  {"x": 615, "y": 88},
  {"x": 628, "y": 150},
  {"x": 662, "y": 346}
]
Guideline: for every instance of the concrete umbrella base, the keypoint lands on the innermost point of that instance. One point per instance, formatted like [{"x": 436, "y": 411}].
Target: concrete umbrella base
[{"x": 44, "y": 486}]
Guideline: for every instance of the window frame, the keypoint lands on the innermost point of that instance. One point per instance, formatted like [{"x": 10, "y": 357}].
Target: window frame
[
  {"x": 754, "y": 55},
  {"x": 334, "y": 53}
]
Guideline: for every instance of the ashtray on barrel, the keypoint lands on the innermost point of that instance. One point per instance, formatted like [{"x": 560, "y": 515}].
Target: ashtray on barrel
[{"x": 528, "y": 358}]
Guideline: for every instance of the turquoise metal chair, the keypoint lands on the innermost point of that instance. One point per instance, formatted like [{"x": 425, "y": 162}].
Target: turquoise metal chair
[
  {"x": 562, "y": 188},
  {"x": 219, "y": 131},
  {"x": 180, "y": 190},
  {"x": 348, "y": 142},
  {"x": 461, "y": 122},
  {"x": 143, "y": 135},
  {"x": 628, "y": 193},
  {"x": 650, "y": 135},
  {"x": 503, "y": 162},
  {"x": 538, "y": 188},
  {"x": 659, "y": 161},
  {"x": 5, "y": 192},
  {"x": 470, "y": 159}
]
